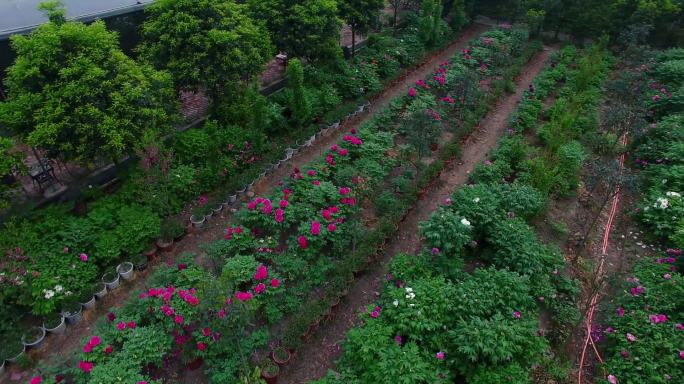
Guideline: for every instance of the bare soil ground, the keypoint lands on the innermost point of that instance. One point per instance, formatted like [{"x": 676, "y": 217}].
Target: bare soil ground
[{"x": 314, "y": 359}]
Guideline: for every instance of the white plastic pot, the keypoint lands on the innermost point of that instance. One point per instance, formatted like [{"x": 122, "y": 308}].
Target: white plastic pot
[
  {"x": 90, "y": 304},
  {"x": 34, "y": 343},
  {"x": 112, "y": 284},
  {"x": 59, "y": 329},
  {"x": 198, "y": 222},
  {"x": 74, "y": 317},
  {"x": 14, "y": 359},
  {"x": 125, "y": 270},
  {"x": 101, "y": 293}
]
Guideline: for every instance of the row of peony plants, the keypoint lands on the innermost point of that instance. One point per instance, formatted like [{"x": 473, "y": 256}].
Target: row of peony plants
[
  {"x": 436, "y": 322},
  {"x": 645, "y": 328},
  {"x": 299, "y": 235}
]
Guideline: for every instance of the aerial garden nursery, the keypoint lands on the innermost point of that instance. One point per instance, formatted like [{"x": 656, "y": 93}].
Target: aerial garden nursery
[{"x": 342, "y": 192}]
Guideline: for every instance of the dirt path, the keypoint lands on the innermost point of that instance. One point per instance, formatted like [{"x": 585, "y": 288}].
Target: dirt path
[
  {"x": 314, "y": 360},
  {"x": 55, "y": 347}
]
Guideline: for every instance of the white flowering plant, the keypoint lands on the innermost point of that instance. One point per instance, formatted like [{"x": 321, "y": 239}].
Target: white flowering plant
[
  {"x": 447, "y": 231},
  {"x": 663, "y": 213}
]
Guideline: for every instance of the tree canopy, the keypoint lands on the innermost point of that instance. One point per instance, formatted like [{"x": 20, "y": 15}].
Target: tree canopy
[
  {"x": 205, "y": 43},
  {"x": 361, "y": 15},
  {"x": 72, "y": 92},
  {"x": 303, "y": 28}
]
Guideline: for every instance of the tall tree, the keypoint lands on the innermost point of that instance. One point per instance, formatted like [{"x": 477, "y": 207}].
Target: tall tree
[
  {"x": 210, "y": 44},
  {"x": 72, "y": 92},
  {"x": 361, "y": 15},
  {"x": 459, "y": 19},
  {"x": 303, "y": 28}
]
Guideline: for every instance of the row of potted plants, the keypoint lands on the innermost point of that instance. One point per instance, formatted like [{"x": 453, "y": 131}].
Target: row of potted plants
[
  {"x": 72, "y": 312},
  {"x": 204, "y": 212}
]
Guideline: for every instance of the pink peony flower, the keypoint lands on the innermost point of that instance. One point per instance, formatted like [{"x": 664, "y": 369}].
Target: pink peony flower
[
  {"x": 243, "y": 296},
  {"x": 439, "y": 355},
  {"x": 111, "y": 316},
  {"x": 206, "y": 331},
  {"x": 275, "y": 283},
  {"x": 36, "y": 380},
  {"x": 83, "y": 257},
  {"x": 201, "y": 346},
  {"x": 332, "y": 227},
  {"x": 631, "y": 338},
  {"x": 620, "y": 312},
  {"x": 315, "y": 228},
  {"x": 85, "y": 366},
  {"x": 221, "y": 313},
  {"x": 667, "y": 276},
  {"x": 131, "y": 324},
  {"x": 612, "y": 379},
  {"x": 108, "y": 349},
  {"x": 679, "y": 326},
  {"x": 95, "y": 341},
  {"x": 261, "y": 273},
  {"x": 624, "y": 353},
  {"x": 397, "y": 339},
  {"x": 435, "y": 251},
  {"x": 252, "y": 205},
  {"x": 301, "y": 240},
  {"x": 516, "y": 314},
  {"x": 311, "y": 172},
  {"x": 178, "y": 319},
  {"x": 316, "y": 183},
  {"x": 283, "y": 203},
  {"x": 375, "y": 314},
  {"x": 260, "y": 288},
  {"x": 342, "y": 152},
  {"x": 344, "y": 191},
  {"x": 681, "y": 354},
  {"x": 412, "y": 92},
  {"x": 87, "y": 348},
  {"x": 121, "y": 326}
]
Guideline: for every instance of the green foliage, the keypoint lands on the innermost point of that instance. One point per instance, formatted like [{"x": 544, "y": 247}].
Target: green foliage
[
  {"x": 459, "y": 19},
  {"x": 447, "y": 231},
  {"x": 657, "y": 345},
  {"x": 302, "y": 28},
  {"x": 213, "y": 45},
  {"x": 569, "y": 161},
  {"x": 430, "y": 24},
  {"x": 299, "y": 104},
  {"x": 72, "y": 92},
  {"x": 516, "y": 247}
]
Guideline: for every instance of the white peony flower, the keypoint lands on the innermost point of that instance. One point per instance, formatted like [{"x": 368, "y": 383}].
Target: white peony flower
[
  {"x": 465, "y": 222},
  {"x": 661, "y": 203},
  {"x": 673, "y": 194},
  {"x": 58, "y": 288},
  {"x": 476, "y": 200},
  {"x": 396, "y": 303},
  {"x": 49, "y": 294}
]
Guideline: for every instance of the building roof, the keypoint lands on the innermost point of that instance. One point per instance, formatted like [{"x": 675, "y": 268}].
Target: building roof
[{"x": 22, "y": 16}]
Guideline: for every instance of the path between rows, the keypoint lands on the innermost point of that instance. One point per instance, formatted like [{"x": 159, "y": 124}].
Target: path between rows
[
  {"x": 56, "y": 347},
  {"x": 318, "y": 356}
]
